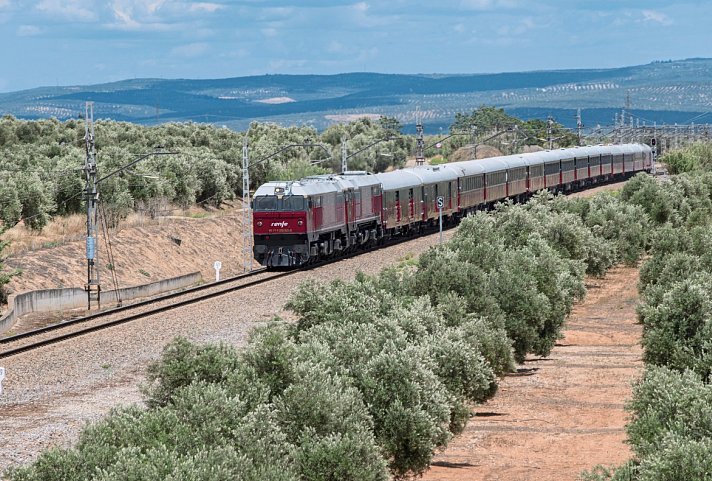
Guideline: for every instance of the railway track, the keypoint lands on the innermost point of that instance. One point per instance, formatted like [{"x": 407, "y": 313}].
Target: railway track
[
  {"x": 30, "y": 340},
  {"x": 37, "y": 338}
]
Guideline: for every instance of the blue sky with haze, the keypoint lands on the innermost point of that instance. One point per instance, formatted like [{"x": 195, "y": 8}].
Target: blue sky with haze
[{"x": 70, "y": 42}]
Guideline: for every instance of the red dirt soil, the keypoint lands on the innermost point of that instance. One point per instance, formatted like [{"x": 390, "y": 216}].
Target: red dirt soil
[{"x": 560, "y": 415}]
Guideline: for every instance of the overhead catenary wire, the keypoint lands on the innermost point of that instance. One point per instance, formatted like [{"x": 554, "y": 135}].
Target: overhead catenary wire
[{"x": 110, "y": 252}]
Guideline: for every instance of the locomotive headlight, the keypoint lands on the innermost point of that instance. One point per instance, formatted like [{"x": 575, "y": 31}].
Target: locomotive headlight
[
  {"x": 259, "y": 223},
  {"x": 300, "y": 222}
]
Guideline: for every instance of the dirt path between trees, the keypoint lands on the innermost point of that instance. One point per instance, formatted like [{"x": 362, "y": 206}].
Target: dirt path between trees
[{"x": 563, "y": 414}]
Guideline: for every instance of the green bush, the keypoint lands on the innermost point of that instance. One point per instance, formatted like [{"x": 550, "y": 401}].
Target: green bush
[
  {"x": 411, "y": 408},
  {"x": 409, "y": 405},
  {"x": 678, "y": 458},
  {"x": 678, "y": 332},
  {"x": 271, "y": 354},
  {"x": 646, "y": 192},
  {"x": 183, "y": 363},
  {"x": 667, "y": 401},
  {"x": 461, "y": 367}
]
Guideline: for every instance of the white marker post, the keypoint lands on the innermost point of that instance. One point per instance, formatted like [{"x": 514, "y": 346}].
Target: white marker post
[
  {"x": 217, "y": 265},
  {"x": 441, "y": 204},
  {"x": 2, "y": 377}
]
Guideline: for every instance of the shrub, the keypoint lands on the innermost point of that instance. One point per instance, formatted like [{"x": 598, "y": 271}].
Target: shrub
[
  {"x": 409, "y": 405},
  {"x": 678, "y": 332},
  {"x": 338, "y": 301},
  {"x": 656, "y": 201},
  {"x": 271, "y": 353},
  {"x": 678, "y": 458},
  {"x": 329, "y": 423},
  {"x": 461, "y": 367},
  {"x": 666, "y": 401},
  {"x": 182, "y": 363}
]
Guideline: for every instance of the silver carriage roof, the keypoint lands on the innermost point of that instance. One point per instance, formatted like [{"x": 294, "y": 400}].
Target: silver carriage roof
[
  {"x": 360, "y": 178},
  {"x": 436, "y": 173},
  {"x": 514, "y": 161},
  {"x": 297, "y": 188},
  {"x": 399, "y": 179},
  {"x": 468, "y": 167},
  {"x": 491, "y": 164}
]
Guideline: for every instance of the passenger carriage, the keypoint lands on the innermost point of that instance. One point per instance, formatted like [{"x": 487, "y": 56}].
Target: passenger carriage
[
  {"x": 617, "y": 154},
  {"x": 537, "y": 180},
  {"x": 495, "y": 179},
  {"x": 517, "y": 177},
  {"x": 471, "y": 185},
  {"x": 438, "y": 181}
]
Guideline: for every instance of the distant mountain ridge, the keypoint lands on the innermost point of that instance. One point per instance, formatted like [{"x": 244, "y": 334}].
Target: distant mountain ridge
[{"x": 662, "y": 92}]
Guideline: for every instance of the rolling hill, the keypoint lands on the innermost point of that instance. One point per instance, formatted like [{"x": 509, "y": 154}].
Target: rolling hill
[{"x": 662, "y": 92}]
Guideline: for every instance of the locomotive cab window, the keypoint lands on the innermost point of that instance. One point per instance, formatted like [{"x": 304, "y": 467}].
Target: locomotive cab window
[
  {"x": 293, "y": 202},
  {"x": 266, "y": 203},
  {"x": 271, "y": 203}
]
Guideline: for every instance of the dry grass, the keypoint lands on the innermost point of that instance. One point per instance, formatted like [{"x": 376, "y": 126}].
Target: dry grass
[
  {"x": 61, "y": 230},
  {"x": 57, "y": 232}
]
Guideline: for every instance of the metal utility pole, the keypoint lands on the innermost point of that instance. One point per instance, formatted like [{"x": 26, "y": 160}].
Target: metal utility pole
[
  {"x": 420, "y": 142},
  {"x": 246, "y": 208},
  {"x": 655, "y": 147},
  {"x": 473, "y": 140},
  {"x": 91, "y": 195},
  {"x": 579, "y": 126},
  {"x": 344, "y": 156},
  {"x": 549, "y": 132}
]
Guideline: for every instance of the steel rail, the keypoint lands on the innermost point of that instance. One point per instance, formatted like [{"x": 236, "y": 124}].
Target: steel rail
[{"x": 129, "y": 318}]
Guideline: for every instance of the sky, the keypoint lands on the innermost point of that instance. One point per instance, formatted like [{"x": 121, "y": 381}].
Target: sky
[{"x": 81, "y": 42}]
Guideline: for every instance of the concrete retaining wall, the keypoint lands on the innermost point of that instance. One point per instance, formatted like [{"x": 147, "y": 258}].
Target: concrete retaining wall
[{"x": 48, "y": 300}]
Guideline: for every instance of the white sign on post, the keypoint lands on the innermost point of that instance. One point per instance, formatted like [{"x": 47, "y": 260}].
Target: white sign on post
[
  {"x": 441, "y": 204},
  {"x": 2, "y": 376},
  {"x": 217, "y": 266}
]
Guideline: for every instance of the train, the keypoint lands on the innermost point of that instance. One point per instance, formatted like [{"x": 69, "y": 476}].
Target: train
[{"x": 318, "y": 217}]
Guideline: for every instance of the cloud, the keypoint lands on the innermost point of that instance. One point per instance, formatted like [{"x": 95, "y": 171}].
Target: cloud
[
  {"x": 138, "y": 15},
  {"x": 652, "y": 16},
  {"x": 28, "y": 31},
  {"x": 482, "y": 5},
  {"x": 517, "y": 29},
  {"x": 335, "y": 47},
  {"x": 190, "y": 50},
  {"x": 205, "y": 7},
  {"x": 361, "y": 7},
  {"x": 68, "y": 9},
  {"x": 270, "y": 32},
  {"x": 124, "y": 18}
]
